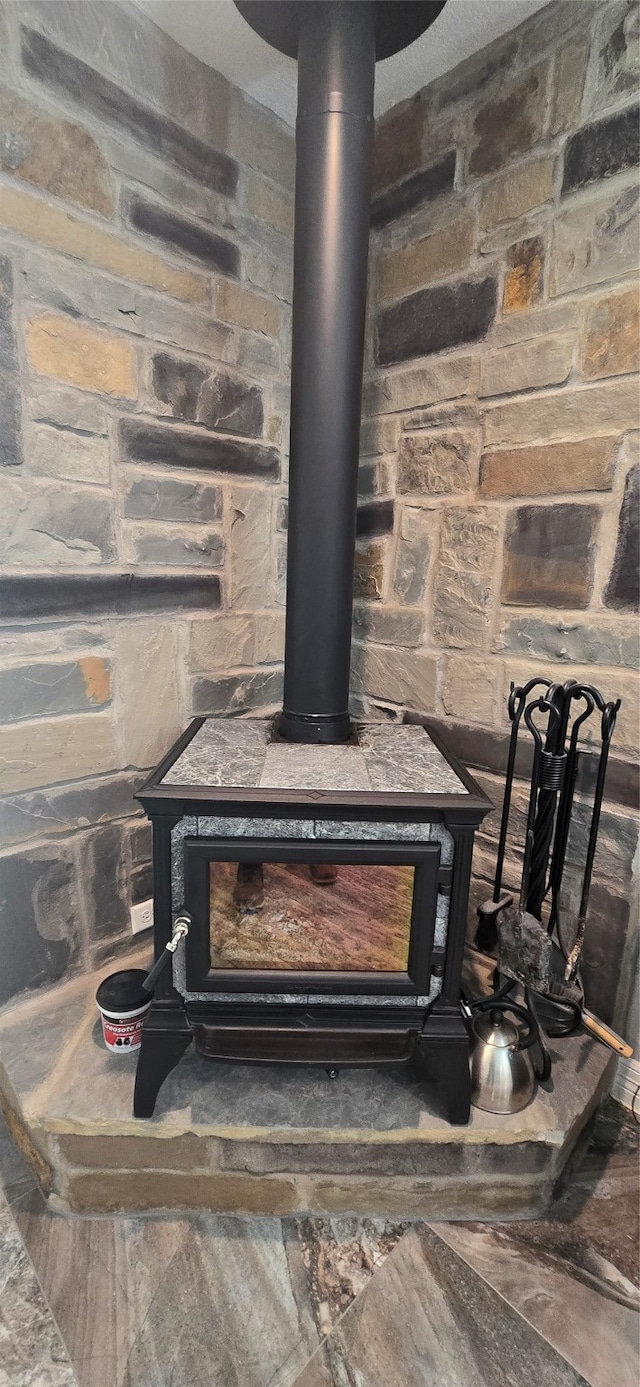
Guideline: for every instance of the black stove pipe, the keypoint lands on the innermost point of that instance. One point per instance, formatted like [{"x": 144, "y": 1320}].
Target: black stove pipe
[
  {"x": 334, "y": 144},
  {"x": 336, "y": 43}
]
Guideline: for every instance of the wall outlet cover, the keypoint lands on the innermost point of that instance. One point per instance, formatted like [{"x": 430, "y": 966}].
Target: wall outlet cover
[{"x": 142, "y": 916}]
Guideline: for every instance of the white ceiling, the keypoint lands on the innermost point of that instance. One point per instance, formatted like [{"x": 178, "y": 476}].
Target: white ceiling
[{"x": 216, "y": 32}]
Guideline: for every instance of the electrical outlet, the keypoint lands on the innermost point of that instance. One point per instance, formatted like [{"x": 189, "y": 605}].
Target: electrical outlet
[{"x": 141, "y": 916}]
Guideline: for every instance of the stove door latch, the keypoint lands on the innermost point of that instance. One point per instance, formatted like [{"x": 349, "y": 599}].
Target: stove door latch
[{"x": 181, "y": 927}]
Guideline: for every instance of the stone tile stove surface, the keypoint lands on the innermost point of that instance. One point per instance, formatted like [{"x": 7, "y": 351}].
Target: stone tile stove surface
[{"x": 232, "y": 792}]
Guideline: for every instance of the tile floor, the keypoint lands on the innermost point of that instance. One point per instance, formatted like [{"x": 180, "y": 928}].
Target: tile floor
[{"x": 211, "y": 1301}]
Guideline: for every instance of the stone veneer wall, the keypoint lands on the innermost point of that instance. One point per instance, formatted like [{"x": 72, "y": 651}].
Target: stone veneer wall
[
  {"x": 501, "y": 412},
  {"x": 145, "y": 268}
]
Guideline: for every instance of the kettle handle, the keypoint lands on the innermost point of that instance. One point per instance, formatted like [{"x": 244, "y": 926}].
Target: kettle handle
[{"x": 532, "y": 1037}]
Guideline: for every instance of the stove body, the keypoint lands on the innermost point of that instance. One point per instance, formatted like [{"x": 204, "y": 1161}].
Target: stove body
[{"x": 391, "y": 801}]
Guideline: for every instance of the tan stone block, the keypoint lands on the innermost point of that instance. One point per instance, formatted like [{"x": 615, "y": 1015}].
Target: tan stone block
[
  {"x": 269, "y": 646},
  {"x": 223, "y": 642},
  {"x": 249, "y": 547},
  {"x": 438, "y": 463},
  {"x": 148, "y": 694},
  {"x": 398, "y": 141},
  {"x": 420, "y": 386},
  {"x": 611, "y": 341},
  {"x": 407, "y": 1197},
  {"x": 517, "y": 192},
  {"x": 246, "y": 309},
  {"x": 119, "y": 1152},
  {"x": 71, "y": 352},
  {"x": 419, "y": 263},
  {"x": 569, "y": 74},
  {"x": 472, "y": 689},
  {"x": 596, "y": 242},
  {"x": 259, "y": 139},
  {"x": 122, "y": 1191},
  {"x": 57, "y": 156},
  {"x": 542, "y": 361},
  {"x": 58, "y": 230},
  {"x": 405, "y": 677},
  {"x": 464, "y": 586},
  {"x": 523, "y": 280},
  {"x": 369, "y": 572},
  {"x": 59, "y": 453},
  {"x": 552, "y": 318},
  {"x": 550, "y": 469},
  {"x": 462, "y": 603},
  {"x": 595, "y": 409},
  {"x": 510, "y": 123},
  {"x": 51, "y": 750},
  {"x": 269, "y": 204},
  {"x": 470, "y": 538}
]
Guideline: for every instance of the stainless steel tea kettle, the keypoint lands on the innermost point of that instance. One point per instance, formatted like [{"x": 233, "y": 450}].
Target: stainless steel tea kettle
[{"x": 503, "y": 1072}]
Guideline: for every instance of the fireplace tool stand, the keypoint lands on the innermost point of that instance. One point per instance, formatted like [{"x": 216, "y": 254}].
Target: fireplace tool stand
[{"x": 539, "y": 948}]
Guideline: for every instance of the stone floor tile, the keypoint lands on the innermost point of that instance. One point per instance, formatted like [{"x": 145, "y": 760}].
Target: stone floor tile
[
  {"x": 575, "y": 1275},
  {"x": 32, "y": 1353},
  {"x": 427, "y": 1318}
]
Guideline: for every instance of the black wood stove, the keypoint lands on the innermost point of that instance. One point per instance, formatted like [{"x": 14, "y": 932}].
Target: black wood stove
[{"x": 357, "y": 838}]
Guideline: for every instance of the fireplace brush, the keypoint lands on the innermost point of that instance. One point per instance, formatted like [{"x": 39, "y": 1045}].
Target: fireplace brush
[{"x": 539, "y": 954}]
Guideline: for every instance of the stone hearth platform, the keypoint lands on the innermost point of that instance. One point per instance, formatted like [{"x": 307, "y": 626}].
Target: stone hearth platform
[{"x": 263, "y": 1139}]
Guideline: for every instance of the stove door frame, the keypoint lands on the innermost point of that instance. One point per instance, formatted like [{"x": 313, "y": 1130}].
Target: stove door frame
[{"x": 414, "y": 983}]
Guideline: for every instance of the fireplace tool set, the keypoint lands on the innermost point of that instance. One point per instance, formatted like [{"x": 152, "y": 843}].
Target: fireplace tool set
[{"x": 540, "y": 939}]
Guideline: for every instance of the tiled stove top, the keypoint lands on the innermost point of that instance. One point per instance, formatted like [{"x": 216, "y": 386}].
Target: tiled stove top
[{"x": 387, "y": 758}]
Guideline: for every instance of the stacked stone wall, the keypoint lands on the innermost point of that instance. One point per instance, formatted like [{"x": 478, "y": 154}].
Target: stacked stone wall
[
  {"x": 146, "y": 218},
  {"x": 501, "y": 411}
]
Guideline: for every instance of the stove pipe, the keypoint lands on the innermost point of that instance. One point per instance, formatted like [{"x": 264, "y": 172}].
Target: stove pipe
[{"x": 336, "y": 43}]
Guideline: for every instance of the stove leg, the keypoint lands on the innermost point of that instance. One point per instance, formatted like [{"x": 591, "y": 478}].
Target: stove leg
[
  {"x": 443, "y": 1052},
  {"x": 165, "y": 1037}
]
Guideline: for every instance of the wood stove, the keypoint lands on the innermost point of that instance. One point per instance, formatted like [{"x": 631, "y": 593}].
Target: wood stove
[{"x": 364, "y": 968}]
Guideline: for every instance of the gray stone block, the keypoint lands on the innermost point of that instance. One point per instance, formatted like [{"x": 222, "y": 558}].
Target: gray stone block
[
  {"x": 622, "y": 588},
  {"x": 62, "y": 595},
  {"x": 600, "y": 150},
  {"x": 179, "y": 233},
  {"x": 39, "y": 812},
  {"x": 37, "y": 690},
  {"x": 39, "y": 918},
  {"x": 618, "y": 53},
  {"x": 217, "y": 400},
  {"x": 66, "y": 408},
  {"x": 388, "y": 625},
  {"x": 162, "y": 443},
  {"x": 421, "y": 187},
  {"x": 375, "y": 518},
  {"x": 586, "y": 642},
  {"x": 8, "y": 349},
  {"x": 238, "y": 694},
  {"x": 61, "y": 525},
  {"x": 182, "y": 549},
  {"x": 162, "y": 498},
  {"x": 434, "y": 319},
  {"x": 10, "y": 421},
  {"x": 549, "y": 556},
  {"x": 104, "y": 883}
]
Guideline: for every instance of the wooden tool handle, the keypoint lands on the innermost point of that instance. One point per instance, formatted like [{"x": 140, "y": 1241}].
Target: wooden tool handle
[{"x": 606, "y": 1035}]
